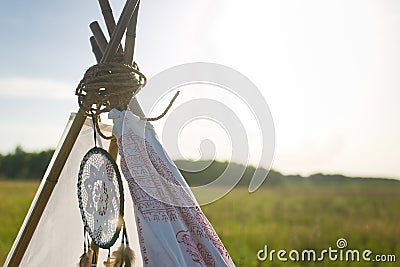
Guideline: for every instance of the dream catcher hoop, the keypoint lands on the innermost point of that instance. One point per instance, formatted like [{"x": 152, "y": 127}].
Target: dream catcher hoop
[
  {"x": 101, "y": 204},
  {"x": 100, "y": 196}
]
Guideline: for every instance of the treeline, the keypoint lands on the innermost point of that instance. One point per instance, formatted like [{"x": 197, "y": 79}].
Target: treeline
[
  {"x": 32, "y": 165},
  {"x": 274, "y": 178},
  {"x": 24, "y": 165}
]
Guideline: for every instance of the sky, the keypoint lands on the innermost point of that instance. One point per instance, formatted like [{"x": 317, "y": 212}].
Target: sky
[{"x": 329, "y": 71}]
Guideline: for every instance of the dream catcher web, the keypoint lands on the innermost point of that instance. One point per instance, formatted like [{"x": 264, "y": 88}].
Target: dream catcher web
[
  {"x": 101, "y": 203},
  {"x": 100, "y": 196}
]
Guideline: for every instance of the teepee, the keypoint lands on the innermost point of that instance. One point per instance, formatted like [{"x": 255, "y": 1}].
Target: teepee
[{"x": 166, "y": 226}]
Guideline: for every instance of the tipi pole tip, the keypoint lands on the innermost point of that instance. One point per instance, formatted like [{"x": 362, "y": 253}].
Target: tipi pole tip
[
  {"x": 130, "y": 37},
  {"x": 107, "y": 15},
  {"x": 108, "y": 18},
  {"x": 119, "y": 30},
  {"x": 99, "y": 35},
  {"x": 96, "y": 49}
]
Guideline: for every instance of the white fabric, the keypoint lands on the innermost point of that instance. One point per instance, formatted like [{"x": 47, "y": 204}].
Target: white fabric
[
  {"x": 58, "y": 239},
  {"x": 172, "y": 229}
]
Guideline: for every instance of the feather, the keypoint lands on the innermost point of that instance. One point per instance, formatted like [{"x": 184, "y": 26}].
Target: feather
[
  {"x": 86, "y": 259},
  {"x": 124, "y": 256},
  {"x": 108, "y": 262},
  {"x": 129, "y": 257},
  {"x": 117, "y": 256}
]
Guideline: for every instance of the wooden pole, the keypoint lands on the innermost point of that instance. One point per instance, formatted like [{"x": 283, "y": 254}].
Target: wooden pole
[
  {"x": 47, "y": 189},
  {"x": 128, "y": 55},
  {"x": 99, "y": 35},
  {"x": 113, "y": 148},
  {"x": 96, "y": 49},
  {"x": 107, "y": 15},
  {"x": 108, "y": 18},
  {"x": 129, "y": 48},
  {"x": 118, "y": 32},
  {"x": 65, "y": 150},
  {"x": 130, "y": 51},
  {"x": 130, "y": 37}
]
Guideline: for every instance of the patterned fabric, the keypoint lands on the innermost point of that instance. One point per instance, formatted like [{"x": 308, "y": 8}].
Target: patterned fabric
[{"x": 172, "y": 228}]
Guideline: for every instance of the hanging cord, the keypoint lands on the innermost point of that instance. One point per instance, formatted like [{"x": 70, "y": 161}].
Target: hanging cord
[
  {"x": 111, "y": 85},
  {"x": 124, "y": 240},
  {"x": 94, "y": 259},
  {"x": 171, "y": 102},
  {"x": 123, "y": 235},
  {"x": 95, "y": 125},
  {"x": 85, "y": 247},
  {"x": 96, "y": 128},
  {"x": 86, "y": 258}
]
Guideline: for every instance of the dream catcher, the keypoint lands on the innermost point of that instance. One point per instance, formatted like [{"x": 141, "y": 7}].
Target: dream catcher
[{"x": 101, "y": 203}]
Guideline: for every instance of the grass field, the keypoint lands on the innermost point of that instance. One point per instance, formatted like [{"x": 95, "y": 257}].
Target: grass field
[
  {"x": 367, "y": 216},
  {"x": 15, "y": 199}
]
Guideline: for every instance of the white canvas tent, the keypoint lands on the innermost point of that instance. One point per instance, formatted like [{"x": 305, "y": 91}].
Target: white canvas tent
[{"x": 57, "y": 240}]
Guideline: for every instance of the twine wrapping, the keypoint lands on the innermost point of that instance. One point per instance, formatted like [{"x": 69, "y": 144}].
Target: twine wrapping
[{"x": 111, "y": 85}]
